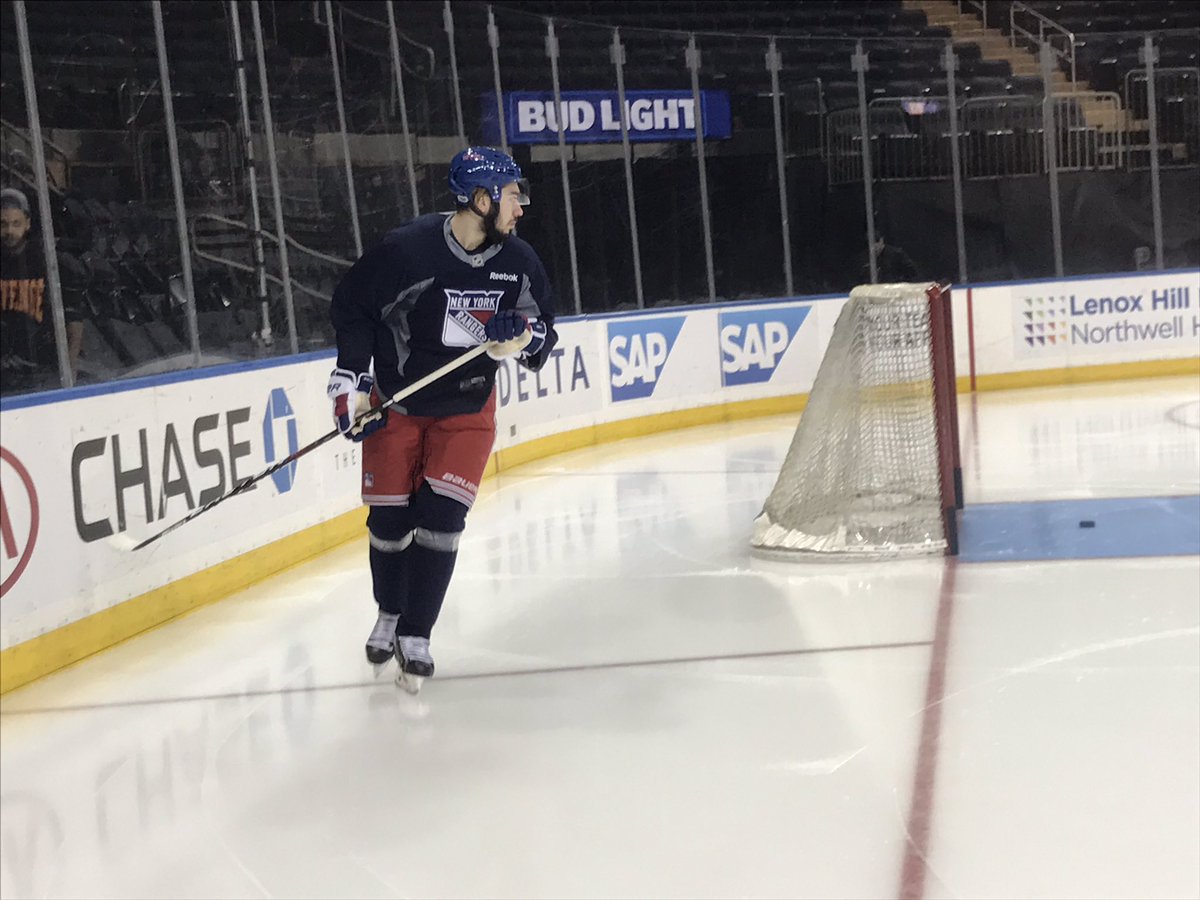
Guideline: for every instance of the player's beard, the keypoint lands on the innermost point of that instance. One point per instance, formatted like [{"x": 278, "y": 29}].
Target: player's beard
[{"x": 491, "y": 233}]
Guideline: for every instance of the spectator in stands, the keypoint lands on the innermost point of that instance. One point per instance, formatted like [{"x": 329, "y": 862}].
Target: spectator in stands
[
  {"x": 892, "y": 265},
  {"x": 26, "y": 332}
]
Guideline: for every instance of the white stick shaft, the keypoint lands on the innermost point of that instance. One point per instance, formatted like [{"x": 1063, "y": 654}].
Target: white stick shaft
[{"x": 434, "y": 375}]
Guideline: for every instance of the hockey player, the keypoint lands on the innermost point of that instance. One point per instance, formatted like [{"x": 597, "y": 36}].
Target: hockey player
[{"x": 433, "y": 288}]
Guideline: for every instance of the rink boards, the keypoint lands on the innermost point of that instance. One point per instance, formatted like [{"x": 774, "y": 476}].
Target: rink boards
[{"x": 86, "y": 473}]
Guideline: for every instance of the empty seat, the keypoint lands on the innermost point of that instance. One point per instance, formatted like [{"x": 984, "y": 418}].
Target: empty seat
[
  {"x": 986, "y": 87},
  {"x": 1025, "y": 84}
]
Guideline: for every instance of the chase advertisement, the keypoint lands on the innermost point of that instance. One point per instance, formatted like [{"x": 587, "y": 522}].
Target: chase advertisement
[
  {"x": 592, "y": 117},
  {"x": 83, "y": 480}
]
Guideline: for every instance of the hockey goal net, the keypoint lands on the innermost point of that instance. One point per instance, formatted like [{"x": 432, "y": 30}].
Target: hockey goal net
[{"x": 873, "y": 470}]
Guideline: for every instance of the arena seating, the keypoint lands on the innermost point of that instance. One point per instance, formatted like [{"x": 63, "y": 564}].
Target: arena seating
[
  {"x": 97, "y": 70},
  {"x": 1109, "y": 34}
]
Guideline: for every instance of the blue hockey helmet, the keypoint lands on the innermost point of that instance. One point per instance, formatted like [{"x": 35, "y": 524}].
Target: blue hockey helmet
[{"x": 487, "y": 168}]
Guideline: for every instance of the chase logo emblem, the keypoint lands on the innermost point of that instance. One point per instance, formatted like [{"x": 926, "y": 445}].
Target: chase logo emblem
[
  {"x": 279, "y": 430},
  {"x": 18, "y": 519}
]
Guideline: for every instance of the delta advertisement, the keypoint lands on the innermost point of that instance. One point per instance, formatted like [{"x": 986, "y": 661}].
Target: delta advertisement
[{"x": 591, "y": 117}]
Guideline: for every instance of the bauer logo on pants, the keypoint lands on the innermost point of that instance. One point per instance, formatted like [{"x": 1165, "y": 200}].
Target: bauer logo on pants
[
  {"x": 754, "y": 341},
  {"x": 638, "y": 350}
]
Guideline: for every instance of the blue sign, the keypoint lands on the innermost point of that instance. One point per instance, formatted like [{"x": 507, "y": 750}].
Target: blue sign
[
  {"x": 753, "y": 342},
  {"x": 637, "y": 351},
  {"x": 590, "y": 117},
  {"x": 279, "y": 411}
]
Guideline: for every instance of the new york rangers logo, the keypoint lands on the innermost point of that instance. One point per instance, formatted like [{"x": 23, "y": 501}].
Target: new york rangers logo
[{"x": 466, "y": 313}]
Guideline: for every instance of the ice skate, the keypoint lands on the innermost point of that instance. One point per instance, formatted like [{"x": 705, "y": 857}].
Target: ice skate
[
  {"x": 382, "y": 639},
  {"x": 412, "y": 654}
]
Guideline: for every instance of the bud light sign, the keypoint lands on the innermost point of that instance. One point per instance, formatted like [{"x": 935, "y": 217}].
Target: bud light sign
[
  {"x": 591, "y": 117},
  {"x": 753, "y": 342},
  {"x": 637, "y": 352}
]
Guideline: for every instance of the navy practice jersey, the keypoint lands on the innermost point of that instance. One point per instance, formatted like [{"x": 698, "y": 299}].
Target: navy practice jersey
[{"x": 418, "y": 300}]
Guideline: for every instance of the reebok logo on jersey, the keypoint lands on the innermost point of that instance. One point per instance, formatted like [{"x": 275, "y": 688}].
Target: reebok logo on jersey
[{"x": 502, "y": 276}]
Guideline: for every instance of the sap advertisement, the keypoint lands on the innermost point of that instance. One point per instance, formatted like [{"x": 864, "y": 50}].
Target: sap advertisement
[
  {"x": 687, "y": 355},
  {"x": 592, "y": 117}
]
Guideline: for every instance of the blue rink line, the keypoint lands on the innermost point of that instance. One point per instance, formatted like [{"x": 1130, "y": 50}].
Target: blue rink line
[{"x": 1051, "y": 529}]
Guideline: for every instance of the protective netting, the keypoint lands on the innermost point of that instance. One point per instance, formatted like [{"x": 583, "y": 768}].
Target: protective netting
[{"x": 861, "y": 478}]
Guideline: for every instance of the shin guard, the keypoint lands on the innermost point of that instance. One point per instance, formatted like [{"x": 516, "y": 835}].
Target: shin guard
[
  {"x": 433, "y": 556},
  {"x": 391, "y": 540}
]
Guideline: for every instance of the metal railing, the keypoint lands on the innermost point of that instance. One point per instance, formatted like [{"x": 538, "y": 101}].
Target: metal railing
[
  {"x": 197, "y": 248},
  {"x": 1001, "y": 136},
  {"x": 910, "y": 137},
  {"x": 270, "y": 238},
  {"x": 1090, "y": 130},
  {"x": 1038, "y": 31},
  {"x": 58, "y": 162},
  {"x": 980, "y": 6},
  {"x": 1177, "y": 104},
  {"x": 843, "y": 147},
  {"x": 382, "y": 26}
]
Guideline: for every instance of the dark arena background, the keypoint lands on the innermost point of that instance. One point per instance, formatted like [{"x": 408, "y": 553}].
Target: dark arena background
[{"x": 1063, "y": 165}]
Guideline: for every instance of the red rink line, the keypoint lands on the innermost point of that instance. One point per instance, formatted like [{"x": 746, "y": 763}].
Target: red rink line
[{"x": 920, "y": 814}]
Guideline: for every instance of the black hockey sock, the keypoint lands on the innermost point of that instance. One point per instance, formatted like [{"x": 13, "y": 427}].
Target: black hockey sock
[
  {"x": 391, "y": 558},
  {"x": 390, "y": 578},
  {"x": 430, "y": 578}
]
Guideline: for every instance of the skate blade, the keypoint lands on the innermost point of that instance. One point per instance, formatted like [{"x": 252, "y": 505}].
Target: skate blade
[{"x": 410, "y": 683}]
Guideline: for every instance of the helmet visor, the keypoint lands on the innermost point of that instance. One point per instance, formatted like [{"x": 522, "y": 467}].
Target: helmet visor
[{"x": 523, "y": 191}]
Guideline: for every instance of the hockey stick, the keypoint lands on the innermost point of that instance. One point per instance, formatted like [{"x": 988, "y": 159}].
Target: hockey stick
[{"x": 266, "y": 473}]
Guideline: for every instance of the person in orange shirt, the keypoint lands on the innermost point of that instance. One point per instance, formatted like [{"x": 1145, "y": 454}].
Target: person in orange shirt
[{"x": 26, "y": 333}]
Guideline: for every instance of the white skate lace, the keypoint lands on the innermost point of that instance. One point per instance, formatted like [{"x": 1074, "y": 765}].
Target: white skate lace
[
  {"x": 384, "y": 631},
  {"x": 415, "y": 648}
]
